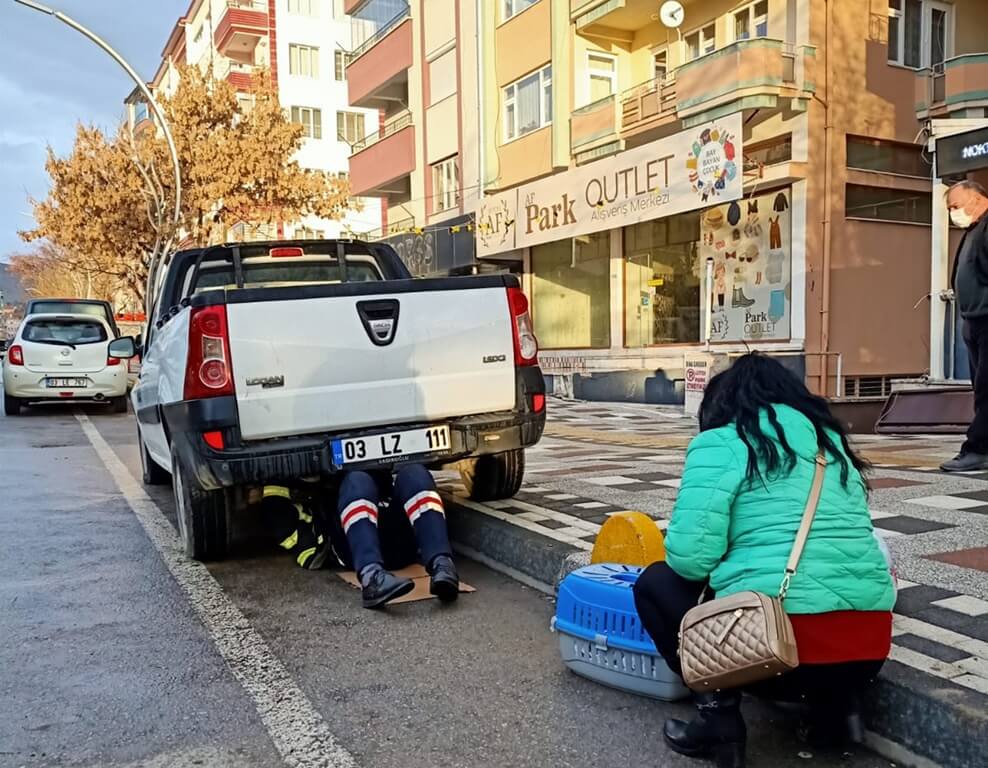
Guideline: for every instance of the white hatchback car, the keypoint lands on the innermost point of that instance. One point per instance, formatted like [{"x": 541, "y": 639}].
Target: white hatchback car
[{"x": 65, "y": 358}]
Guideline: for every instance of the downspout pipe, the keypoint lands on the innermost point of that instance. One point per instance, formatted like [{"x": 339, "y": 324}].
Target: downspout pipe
[
  {"x": 482, "y": 117},
  {"x": 828, "y": 183}
]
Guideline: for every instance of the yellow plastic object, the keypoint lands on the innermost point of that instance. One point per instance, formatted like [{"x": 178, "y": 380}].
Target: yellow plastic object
[{"x": 629, "y": 538}]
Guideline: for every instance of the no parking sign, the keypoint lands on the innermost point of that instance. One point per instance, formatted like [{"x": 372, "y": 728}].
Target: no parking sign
[{"x": 697, "y": 375}]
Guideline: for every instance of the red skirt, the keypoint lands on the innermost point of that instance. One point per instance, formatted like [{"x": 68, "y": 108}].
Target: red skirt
[{"x": 838, "y": 636}]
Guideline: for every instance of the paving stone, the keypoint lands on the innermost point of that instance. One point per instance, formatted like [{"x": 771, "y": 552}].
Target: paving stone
[
  {"x": 931, "y": 648},
  {"x": 909, "y": 525}
]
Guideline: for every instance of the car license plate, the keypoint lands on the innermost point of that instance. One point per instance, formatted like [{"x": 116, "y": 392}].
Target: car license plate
[
  {"x": 66, "y": 383},
  {"x": 391, "y": 446}
]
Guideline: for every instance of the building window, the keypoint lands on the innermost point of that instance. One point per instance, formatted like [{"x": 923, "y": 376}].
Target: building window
[
  {"x": 571, "y": 293},
  {"x": 514, "y": 7},
  {"x": 887, "y": 157},
  {"x": 304, "y": 7},
  {"x": 340, "y": 62},
  {"x": 350, "y": 127},
  {"x": 751, "y": 21},
  {"x": 920, "y": 32},
  {"x": 888, "y": 204},
  {"x": 445, "y": 185},
  {"x": 305, "y": 233},
  {"x": 701, "y": 42},
  {"x": 602, "y": 73},
  {"x": 528, "y": 104},
  {"x": 660, "y": 64},
  {"x": 303, "y": 60},
  {"x": 310, "y": 119}
]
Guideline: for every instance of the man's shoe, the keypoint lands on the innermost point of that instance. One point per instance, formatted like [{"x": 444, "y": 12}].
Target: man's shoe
[
  {"x": 445, "y": 582},
  {"x": 383, "y": 586},
  {"x": 718, "y": 730},
  {"x": 966, "y": 462}
]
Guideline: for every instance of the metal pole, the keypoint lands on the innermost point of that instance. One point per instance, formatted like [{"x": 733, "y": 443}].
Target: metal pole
[
  {"x": 708, "y": 320},
  {"x": 840, "y": 374},
  {"x": 158, "y": 113}
]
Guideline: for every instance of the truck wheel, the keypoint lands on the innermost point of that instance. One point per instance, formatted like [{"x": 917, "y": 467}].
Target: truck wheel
[
  {"x": 119, "y": 404},
  {"x": 151, "y": 472},
  {"x": 494, "y": 477},
  {"x": 202, "y": 515},
  {"x": 11, "y": 405}
]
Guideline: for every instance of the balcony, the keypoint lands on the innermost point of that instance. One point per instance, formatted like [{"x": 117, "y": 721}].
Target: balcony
[
  {"x": 956, "y": 89},
  {"x": 242, "y": 23},
  {"x": 377, "y": 75},
  {"x": 382, "y": 163},
  {"x": 749, "y": 74},
  {"x": 617, "y": 19},
  {"x": 593, "y": 130},
  {"x": 239, "y": 74}
]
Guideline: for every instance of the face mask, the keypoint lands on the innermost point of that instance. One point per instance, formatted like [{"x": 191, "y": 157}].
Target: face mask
[{"x": 961, "y": 218}]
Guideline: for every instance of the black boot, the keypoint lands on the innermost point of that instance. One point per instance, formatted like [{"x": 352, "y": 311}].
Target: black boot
[
  {"x": 836, "y": 725},
  {"x": 381, "y": 587},
  {"x": 445, "y": 582},
  {"x": 717, "y": 732}
]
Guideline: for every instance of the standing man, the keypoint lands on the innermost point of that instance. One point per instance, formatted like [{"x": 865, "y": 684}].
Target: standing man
[{"x": 967, "y": 202}]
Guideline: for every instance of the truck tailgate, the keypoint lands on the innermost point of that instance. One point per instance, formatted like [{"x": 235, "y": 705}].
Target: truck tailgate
[{"x": 310, "y": 365}]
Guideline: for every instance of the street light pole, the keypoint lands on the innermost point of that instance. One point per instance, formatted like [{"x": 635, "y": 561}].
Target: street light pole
[{"x": 158, "y": 113}]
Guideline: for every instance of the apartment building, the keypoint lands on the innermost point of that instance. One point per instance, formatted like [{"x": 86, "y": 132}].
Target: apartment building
[
  {"x": 303, "y": 43},
  {"x": 417, "y": 63},
  {"x": 781, "y": 152}
]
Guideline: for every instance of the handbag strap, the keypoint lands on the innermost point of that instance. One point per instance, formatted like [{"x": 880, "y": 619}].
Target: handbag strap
[{"x": 804, "y": 527}]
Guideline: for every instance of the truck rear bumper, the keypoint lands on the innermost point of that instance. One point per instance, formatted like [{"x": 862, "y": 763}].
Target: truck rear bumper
[{"x": 289, "y": 459}]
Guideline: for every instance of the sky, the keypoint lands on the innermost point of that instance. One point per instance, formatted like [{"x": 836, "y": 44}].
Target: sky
[{"x": 51, "y": 78}]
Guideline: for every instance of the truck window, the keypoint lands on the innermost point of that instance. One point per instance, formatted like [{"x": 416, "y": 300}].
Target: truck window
[
  {"x": 271, "y": 273},
  {"x": 64, "y": 332}
]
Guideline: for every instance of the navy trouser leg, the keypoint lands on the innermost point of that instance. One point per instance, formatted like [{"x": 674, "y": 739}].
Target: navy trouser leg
[
  {"x": 358, "y": 509},
  {"x": 415, "y": 493}
]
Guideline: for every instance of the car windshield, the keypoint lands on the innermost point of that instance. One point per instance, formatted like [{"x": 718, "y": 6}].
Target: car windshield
[
  {"x": 68, "y": 308},
  {"x": 57, "y": 331}
]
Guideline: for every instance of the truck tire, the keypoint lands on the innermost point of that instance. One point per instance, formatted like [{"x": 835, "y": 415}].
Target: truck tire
[
  {"x": 119, "y": 404},
  {"x": 202, "y": 515},
  {"x": 151, "y": 472},
  {"x": 11, "y": 405},
  {"x": 494, "y": 477}
]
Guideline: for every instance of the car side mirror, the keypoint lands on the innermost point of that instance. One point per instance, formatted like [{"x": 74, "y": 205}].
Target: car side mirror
[{"x": 124, "y": 348}]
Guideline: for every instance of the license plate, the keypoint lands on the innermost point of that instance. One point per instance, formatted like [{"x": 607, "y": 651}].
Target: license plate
[
  {"x": 66, "y": 383},
  {"x": 392, "y": 446}
]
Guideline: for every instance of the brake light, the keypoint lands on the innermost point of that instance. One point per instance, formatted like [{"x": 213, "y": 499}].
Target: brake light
[
  {"x": 526, "y": 346},
  {"x": 538, "y": 403},
  {"x": 214, "y": 440},
  {"x": 285, "y": 253},
  {"x": 208, "y": 369},
  {"x": 15, "y": 355}
]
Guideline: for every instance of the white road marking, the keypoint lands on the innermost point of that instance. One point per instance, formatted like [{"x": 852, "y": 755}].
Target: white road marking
[{"x": 298, "y": 731}]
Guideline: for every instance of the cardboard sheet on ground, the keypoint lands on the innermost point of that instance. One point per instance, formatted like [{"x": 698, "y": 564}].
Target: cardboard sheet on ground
[{"x": 416, "y": 573}]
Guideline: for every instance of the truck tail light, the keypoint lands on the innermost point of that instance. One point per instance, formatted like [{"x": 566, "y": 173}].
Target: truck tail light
[
  {"x": 526, "y": 346},
  {"x": 15, "y": 355},
  {"x": 208, "y": 370}
]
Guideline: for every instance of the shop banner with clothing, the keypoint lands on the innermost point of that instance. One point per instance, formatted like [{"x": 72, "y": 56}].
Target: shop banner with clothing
[{"x": 692, "y": 169}]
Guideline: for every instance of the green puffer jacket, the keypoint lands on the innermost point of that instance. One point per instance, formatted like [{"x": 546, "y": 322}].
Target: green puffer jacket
[{"x": 739, "y": 534}]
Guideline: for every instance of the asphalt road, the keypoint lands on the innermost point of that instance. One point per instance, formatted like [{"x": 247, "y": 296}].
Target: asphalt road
[{"x": 115, "y": 651}]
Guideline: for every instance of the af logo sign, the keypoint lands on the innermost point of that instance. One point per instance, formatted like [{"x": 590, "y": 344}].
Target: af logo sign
[{"x": 495, "y": 224}]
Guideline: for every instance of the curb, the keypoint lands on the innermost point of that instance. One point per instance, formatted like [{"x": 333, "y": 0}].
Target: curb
[{"x": 910, "y": 721}]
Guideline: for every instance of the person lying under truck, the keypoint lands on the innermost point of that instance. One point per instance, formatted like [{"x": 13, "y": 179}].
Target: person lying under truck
[{"x": 382, "y": 522}]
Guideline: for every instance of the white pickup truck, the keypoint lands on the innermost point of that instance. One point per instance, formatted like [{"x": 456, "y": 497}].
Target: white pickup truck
[{"x": 293, "y": 361}]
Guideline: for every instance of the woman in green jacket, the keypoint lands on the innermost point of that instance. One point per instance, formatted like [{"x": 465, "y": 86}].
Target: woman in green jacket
[{"x": 744, "y": 490}]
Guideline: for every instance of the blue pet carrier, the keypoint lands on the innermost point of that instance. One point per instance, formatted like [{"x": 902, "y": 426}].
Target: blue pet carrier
[{"x": 601, "y": 636}]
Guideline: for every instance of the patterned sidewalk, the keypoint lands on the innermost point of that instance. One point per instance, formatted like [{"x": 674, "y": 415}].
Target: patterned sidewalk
[{"x": 598, "y": 459}]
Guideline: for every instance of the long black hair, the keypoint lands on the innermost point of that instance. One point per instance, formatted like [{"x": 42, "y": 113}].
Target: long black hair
[{"x": 755, "y": 384}]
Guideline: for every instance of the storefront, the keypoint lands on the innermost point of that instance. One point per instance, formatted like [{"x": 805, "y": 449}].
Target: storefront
[{"x": 618, "y": 255}]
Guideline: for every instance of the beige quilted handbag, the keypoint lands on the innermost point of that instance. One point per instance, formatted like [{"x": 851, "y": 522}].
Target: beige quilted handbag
[{"x": 746, "y": 637}]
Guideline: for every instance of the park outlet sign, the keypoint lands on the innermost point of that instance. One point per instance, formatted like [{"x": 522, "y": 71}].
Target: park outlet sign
[{"x": 692, "y": 169}]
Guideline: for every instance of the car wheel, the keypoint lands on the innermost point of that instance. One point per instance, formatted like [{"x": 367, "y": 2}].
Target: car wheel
[
  {"x": 119, "y": 404},
  {"x": 202, "y": 515},
  {"x": 494, "y": 477},
  {"x": 152, "y": 473},
  {"x": 11, "y": 405}
]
